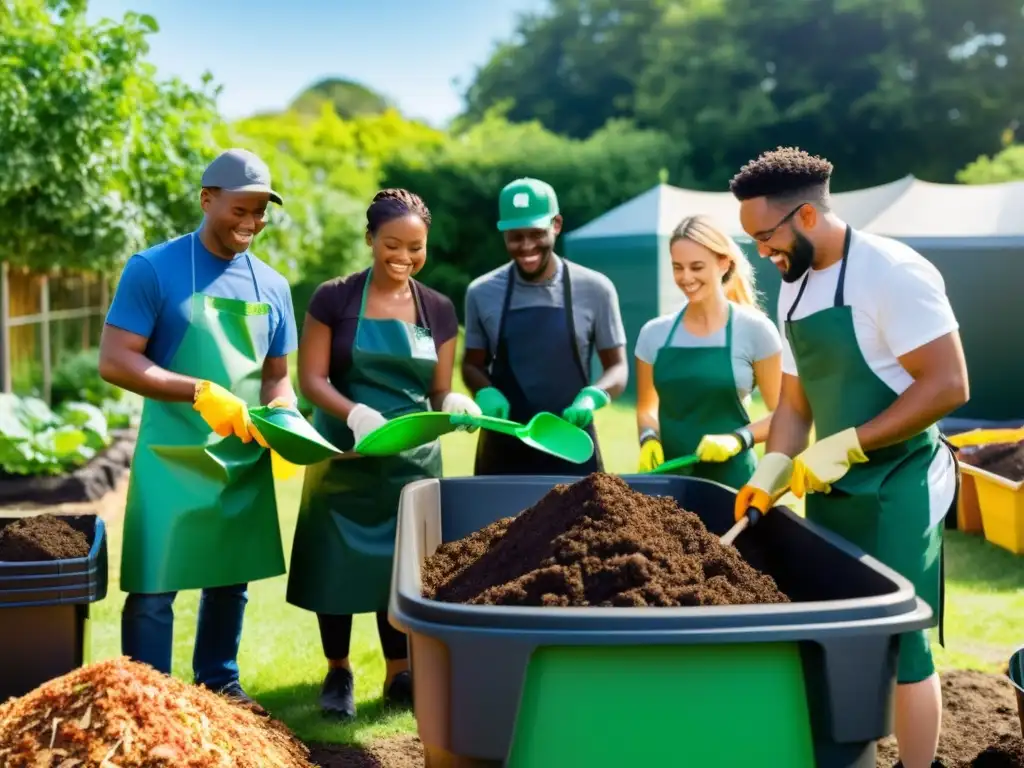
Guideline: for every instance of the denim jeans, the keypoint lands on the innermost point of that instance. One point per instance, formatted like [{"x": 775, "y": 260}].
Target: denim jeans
[{"x": 147, "y": 633}]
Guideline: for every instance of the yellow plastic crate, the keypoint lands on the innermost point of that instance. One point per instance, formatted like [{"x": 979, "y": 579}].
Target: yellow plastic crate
[{"x": 993, "y": 502}]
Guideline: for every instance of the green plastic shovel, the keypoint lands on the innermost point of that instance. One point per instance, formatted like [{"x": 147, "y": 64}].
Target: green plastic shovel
[
  {"x": 545, "y": 432},
  {"x": 672, "y": 466},
  {"x": 405, "y": 432},
  {"x": 290, "y": 434}
]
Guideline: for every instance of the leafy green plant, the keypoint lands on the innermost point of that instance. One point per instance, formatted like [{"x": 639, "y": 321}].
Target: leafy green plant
[
  {"x": 35, "y": 440},
  {"x": 77, "y": 377}
]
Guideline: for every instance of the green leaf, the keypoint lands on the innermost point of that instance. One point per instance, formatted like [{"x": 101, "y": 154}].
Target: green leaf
[{"x": 149, "y": 22}]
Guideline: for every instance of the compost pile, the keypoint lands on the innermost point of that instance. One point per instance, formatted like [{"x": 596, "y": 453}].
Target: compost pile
[
  {"x": 980, "y": 728},
  {"x": 125, "y": 714},
  {"x": 43, "y": 537},
  {"x": 403, "y": 751},
  {"x": 596, "y": 542},
  {"x": 1003, "y": 459}
]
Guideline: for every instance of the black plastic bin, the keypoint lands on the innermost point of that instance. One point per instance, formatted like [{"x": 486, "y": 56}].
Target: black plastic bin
[
  {"x": 809, "y": 683},
  {"x": 44, "y": 611}
]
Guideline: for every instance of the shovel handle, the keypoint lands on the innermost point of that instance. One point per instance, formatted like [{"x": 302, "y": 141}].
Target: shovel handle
[
  {"x": 752, "y": 515},
  {"x": 669, "y": 466}
]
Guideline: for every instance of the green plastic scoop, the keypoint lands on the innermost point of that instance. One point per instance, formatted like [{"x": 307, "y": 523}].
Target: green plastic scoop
[
  {"x": 289, "y": 433},
  {"x": 545, "y": 432},
  {"x": 405, "y": 432},
  {"x": 672, "y": 466}
]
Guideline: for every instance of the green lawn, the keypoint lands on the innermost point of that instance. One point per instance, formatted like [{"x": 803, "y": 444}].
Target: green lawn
[{"x": 282, "y": 663}]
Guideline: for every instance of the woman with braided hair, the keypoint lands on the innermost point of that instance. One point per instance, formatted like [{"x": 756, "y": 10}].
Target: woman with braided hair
[{"x": 375, "y": 345}]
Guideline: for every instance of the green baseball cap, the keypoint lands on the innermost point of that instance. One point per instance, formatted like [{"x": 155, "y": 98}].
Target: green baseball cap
[{"x": 526, "y": 204}]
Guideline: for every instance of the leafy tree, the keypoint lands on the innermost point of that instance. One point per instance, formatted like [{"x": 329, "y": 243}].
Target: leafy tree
[
  {"x": 881, "y": 87},
  {"x": 97, "y": 155},
  {"x": 347, "y": 98},
  {"x": 572, "y": 68}
]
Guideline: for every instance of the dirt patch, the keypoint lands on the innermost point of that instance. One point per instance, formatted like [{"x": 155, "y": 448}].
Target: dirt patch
[
  {"x": 980, "y": 727},
  {"x": 1003, "y": 459},
  {"x": 596, "y": 542},
  {"x": 397, "y": 752},
  {"x": 122, "y": 713},
  {"x": 44, "y": 537}
]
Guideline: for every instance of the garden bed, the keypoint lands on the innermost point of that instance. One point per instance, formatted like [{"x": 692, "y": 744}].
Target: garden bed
[{"x": 89, "y": 482}]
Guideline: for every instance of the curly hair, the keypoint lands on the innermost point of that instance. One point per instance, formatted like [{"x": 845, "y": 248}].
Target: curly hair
[
  {"x": 785, "y": 172},
  {"x": 390, "y": 204}
]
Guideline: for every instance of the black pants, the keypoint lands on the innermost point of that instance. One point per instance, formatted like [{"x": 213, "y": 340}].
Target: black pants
[{"x": 336, "y": 633}]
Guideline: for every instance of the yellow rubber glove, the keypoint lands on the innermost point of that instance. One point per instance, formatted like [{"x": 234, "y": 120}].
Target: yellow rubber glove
[
  {"x": 826, "y": 461},
  {"x": 768, "y": 482},
  {"x": 719, "y": 448},
  {"x": 652, "y": 455},
  {"x": 225, "y": 413}
]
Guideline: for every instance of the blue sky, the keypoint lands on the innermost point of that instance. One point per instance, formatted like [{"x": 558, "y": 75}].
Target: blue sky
[{"x": 264, "y": 52}]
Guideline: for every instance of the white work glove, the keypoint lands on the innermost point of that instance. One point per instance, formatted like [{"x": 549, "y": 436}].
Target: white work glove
[
  {"x": 459, "y": 404},
  {"x": 362, "y": 420}
]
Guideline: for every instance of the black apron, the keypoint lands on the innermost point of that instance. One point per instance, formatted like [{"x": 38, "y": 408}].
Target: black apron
[{"x": 544, "y": 338}]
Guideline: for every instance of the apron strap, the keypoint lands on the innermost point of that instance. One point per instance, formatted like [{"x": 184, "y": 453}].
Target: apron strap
[
  {"x": 840, "y": 283},
  {"x": 192, "y": 260},
  {"x": 672, "y": 331},
  {"x": 421, "y": 318},
  {"x": 499, "y": 347},
  {"x": 570, "y": 320}
]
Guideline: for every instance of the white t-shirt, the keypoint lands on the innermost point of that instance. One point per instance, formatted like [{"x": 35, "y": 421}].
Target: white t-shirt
[
  {"x": 899, "y": 303},
  {"x": 754, "y": 338}
]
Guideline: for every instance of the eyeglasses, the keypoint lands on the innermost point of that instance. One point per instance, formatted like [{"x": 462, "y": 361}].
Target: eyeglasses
[{"x": 766, "y": 235}]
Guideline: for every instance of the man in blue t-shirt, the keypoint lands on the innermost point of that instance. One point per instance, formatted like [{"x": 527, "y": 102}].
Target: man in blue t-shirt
[{"x": 198, "y": 325}]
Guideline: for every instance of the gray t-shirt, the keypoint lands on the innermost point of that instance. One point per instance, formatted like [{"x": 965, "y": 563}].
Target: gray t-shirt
[
  {"x": 595, "y": 308},
  {"x": 754, "y": 338}
]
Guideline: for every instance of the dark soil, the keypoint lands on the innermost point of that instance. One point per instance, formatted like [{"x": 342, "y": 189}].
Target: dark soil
[
  {"x": 396, "y": 752},
  {"x": 980, "y": 727},
  {"x": 1003, "y": 459},
  {"x": 596, "y": 542},
  {"x": 43, "y": 537}
]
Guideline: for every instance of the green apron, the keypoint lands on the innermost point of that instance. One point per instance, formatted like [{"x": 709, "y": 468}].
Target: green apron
[
  {"x": 881, "y": 506},
  {"x": 345, "y": 536},
  {"x": 201, "y": 509},
  {"x": 696, "y": 397}
]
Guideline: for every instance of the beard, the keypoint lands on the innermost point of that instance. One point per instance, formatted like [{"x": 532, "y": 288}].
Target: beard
[
  {"x": 545, "y": 260},
  {"x": 800, "y": 258}
]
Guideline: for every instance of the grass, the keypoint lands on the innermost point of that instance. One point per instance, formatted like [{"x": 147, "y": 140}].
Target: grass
[{"x": 282, "y": 663}]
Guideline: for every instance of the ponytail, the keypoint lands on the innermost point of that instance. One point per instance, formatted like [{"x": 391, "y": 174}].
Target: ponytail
[{"x": 739, "y": 281}]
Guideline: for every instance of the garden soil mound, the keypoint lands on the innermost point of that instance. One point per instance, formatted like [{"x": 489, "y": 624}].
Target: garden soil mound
[
  {"x": 596, "y": 542},
  {"x": 42, "y": 537},
  {"x": 980, "y": 728},
  {"x": 396, "y": 752},
  {"x": 1003, "y": 459},
  {"x": 122, "y": 713}
]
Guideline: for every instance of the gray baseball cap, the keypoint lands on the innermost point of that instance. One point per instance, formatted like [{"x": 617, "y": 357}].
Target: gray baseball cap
[{"x": 239, "y": 170}]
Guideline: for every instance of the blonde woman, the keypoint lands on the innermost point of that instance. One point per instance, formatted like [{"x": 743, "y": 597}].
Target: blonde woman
[{"x": 696, "y": 368}]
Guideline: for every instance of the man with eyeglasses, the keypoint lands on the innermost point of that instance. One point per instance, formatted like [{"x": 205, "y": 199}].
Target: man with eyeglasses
[{"x": 872, "y": 359}]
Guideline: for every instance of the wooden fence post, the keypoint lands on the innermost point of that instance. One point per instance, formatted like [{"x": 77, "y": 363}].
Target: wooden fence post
[
  {"x": 5, "y": 327},
  {"x": 44, "y": 332}
]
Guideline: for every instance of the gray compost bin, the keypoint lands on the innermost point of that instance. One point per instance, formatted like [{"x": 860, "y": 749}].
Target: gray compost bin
[{"x": 797, "y": 685}]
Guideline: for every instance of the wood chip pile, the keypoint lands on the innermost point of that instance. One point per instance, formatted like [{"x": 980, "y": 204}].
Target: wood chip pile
[{"x": 124, "y": 714}]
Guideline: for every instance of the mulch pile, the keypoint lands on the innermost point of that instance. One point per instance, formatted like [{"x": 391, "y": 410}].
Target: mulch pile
[
  {"x": 980, "y": 727},
  {"x": 121, "y": 713},
  {"x": 43, "y": 537},
  {"x": 596, "y": 542},
  {"x": 1003, "y": 459}
]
